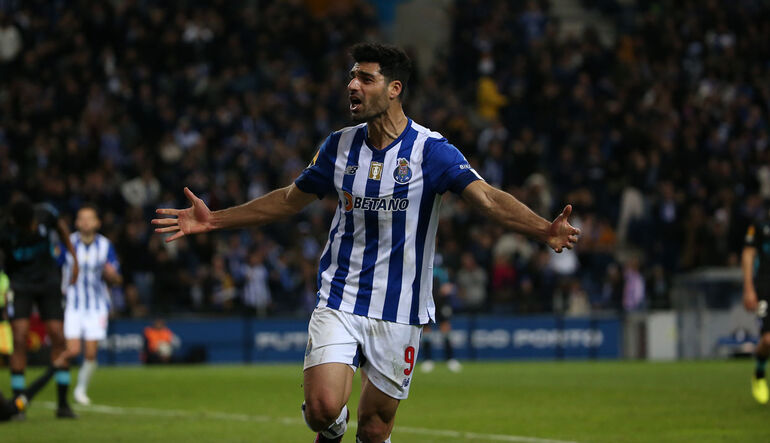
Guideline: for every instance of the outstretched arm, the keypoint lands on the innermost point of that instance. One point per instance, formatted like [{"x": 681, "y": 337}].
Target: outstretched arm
[
  {"x": 747, "y": 265},
  {"x": 509, "y": 212},
  {"x": 276, "y": 205}
]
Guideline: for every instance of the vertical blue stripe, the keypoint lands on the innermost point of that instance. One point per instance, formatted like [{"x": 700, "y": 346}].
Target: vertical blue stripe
[
  {"x": 346, "y": 242},
  {"x": 426, "y": 207},
  {"x": 99, "y": 283},
  {"x": 398, "y": 234},
  {"x": 75, "y": 288},
  {"x": 326, "y": 259},
  {"x": 372, "y": 225},
  {"x": 84, "y": 267}
]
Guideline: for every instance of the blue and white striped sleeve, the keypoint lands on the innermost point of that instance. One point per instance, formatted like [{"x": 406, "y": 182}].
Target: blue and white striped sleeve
[
  {"x": 447, "y": 168},
  {"x": 318, "y": 177}
]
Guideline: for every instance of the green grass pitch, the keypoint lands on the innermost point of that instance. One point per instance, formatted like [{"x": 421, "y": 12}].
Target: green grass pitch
[{"x": 487, "y": 402}]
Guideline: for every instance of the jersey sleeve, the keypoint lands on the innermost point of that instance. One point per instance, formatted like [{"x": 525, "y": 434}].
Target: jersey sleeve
[
  {"x": 318, "y": 176},
  {"x": 447, "y": 168},
  {"x": 751, "y": 236},
  {"x": 112, "y": 257}
]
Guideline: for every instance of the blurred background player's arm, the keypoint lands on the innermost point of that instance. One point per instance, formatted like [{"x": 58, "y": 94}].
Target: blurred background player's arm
[
  {"x": 111, "y": 272},
  {"x": 747, "y": 264},
  {"x": 273, "y": 206},
  {"x": 64, "y": 235}
]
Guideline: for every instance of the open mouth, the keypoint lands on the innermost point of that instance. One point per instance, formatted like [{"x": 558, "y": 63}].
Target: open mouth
[{"x": 355, "y": 103}]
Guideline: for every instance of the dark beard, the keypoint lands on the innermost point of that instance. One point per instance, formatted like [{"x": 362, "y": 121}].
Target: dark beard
[{"x": 367, "y": 118}]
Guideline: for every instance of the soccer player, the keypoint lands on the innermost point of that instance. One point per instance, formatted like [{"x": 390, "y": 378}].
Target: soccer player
[
  {"x": 20, "y": 401},
  {"x": 755, "y": 262},
  {"x": 88, "y": 299},
  {"x": 27, "y": 242},
  {"x": 388, "y": 174}
]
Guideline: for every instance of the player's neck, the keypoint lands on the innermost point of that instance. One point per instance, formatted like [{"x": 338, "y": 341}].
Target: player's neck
[
  {"x": 386, "y": 127},
  {"x": 87, "y": 238}
]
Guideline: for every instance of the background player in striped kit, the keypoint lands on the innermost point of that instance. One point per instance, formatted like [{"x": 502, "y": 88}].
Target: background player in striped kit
[
  {"x": 388, "y": 174},
  {"x": 28, "y": 241},
  {"x": 88, "y": 299}
]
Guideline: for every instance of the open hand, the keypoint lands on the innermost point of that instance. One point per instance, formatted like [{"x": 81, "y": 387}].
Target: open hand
[
  {"x": 561, "y": 234},
  {"x": 193, "y": 220}
]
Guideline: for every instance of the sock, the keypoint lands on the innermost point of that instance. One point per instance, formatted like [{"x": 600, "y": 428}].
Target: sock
[
  {"x": 18, "y": 382},
  {"x": 38, "y": 384},
  {"x": 448, "y": 352},
  {"x": 84, "y": 376},
  {"x": 427, "y": 349},
  {"x": 759, "y": 372},
  {"x": 62, "y": 385}
]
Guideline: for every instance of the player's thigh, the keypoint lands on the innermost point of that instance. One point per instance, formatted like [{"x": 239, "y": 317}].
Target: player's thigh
[
  {"x": 55, "y": 331},
  {"x": 73, "y": 347},
  {"x": 20, "y": 328},
  {"x": 376, "y": 412},
  {"x": 331, "y": 358},
  {"x": 328, "y": 383},
  {"x": 51, "y": 305}
]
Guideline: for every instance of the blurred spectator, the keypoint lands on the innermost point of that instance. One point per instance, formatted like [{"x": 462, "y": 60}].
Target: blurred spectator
[
  {"x": 472, "y": 284},
  {"x": 10, "y": 40},
  {"x": 159, "y": 343}
]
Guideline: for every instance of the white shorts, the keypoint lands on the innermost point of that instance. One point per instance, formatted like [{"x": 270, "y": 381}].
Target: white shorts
[
  {"x": 385, "y": 350},
  {"x": 90, "y": 325}
]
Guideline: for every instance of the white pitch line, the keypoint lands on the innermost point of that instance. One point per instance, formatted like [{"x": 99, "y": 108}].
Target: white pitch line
[{"x": 228, "y": 416}]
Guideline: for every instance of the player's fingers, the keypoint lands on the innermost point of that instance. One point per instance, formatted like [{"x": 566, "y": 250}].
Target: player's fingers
[
  {"x": 558, "y": 250},
  {"x": 165, "y": 221},
  {"x": 168, "y": 211},
  {"x": 168, "y": 229},
  {"x": 178, "y": 235},
  {"x": 190, "y": 196},
  {"x": 567, "y": 211},
  {"x": 569, "y": 245},
  {"x": 572, "y": 239}
]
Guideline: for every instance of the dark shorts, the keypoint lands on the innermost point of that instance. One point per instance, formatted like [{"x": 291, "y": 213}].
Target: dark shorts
[
  {"x": 443, "y": 309},
  {"x": 48, "y": 299}
]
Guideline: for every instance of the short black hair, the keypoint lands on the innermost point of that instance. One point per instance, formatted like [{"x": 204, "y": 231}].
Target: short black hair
[
  {"x": 394, "y": 63},
  {"x": 90, "y": 205},
  {"x": 22, "y": 212}
]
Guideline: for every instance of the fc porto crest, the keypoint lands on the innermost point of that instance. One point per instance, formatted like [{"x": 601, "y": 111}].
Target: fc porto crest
[{"x": 402, "y": 174}]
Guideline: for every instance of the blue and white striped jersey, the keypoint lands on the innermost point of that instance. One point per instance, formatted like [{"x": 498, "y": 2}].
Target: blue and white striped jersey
[
  {"x": 378, "y": 261},
  {"x": 90, "y": 292}
]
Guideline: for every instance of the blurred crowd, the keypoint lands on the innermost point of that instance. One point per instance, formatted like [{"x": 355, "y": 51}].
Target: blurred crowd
[{"x": 659, "y": 141}]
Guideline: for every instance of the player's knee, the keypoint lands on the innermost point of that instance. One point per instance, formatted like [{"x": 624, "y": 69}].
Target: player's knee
[
  {"x": 765, "y": 340},
  {"x": 73, "y": 350},
  {"x": 57, "y": 339},
  {"x": 372, "y": 430},
  {"x": 320, "y": 413},
  {"x": 19, "y": 343},
  {"x": 372, "y": 433}
]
